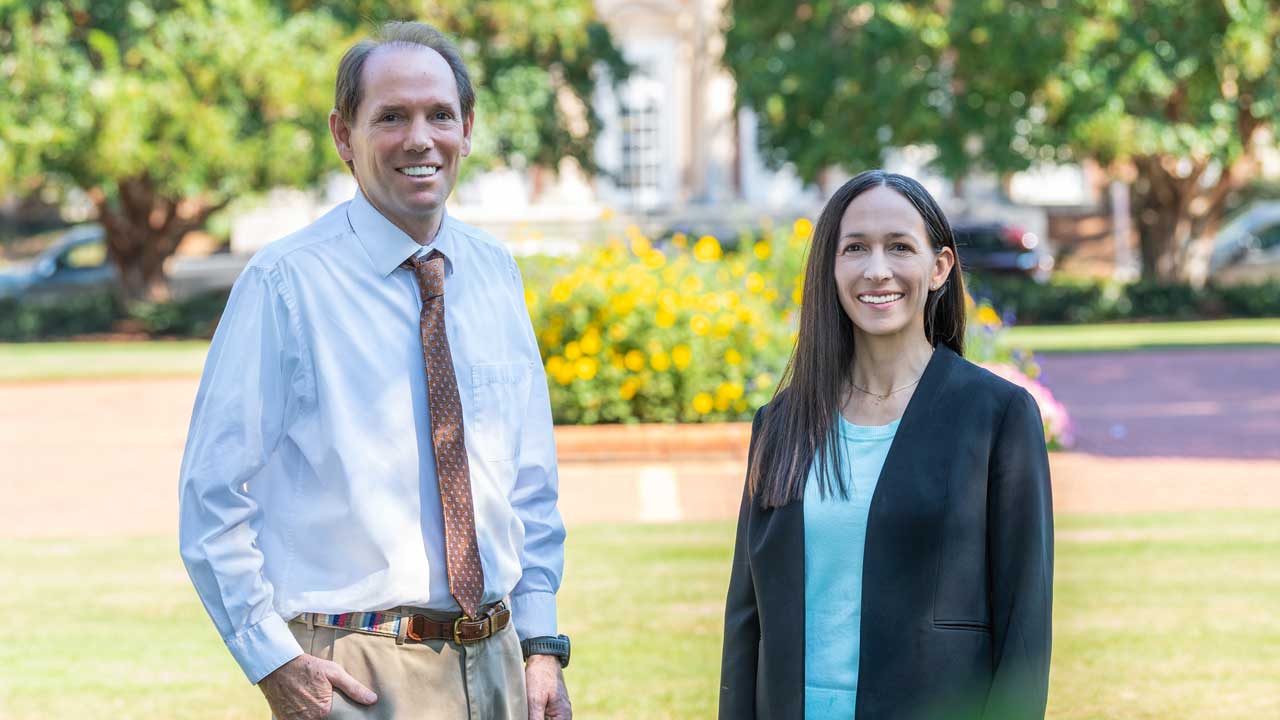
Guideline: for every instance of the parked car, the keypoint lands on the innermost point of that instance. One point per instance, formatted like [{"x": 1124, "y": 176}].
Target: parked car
[
  {"x": 999, "y": 248},
  {"x": 76, "y": 263},
  {"x": 1247, "y": 249}
]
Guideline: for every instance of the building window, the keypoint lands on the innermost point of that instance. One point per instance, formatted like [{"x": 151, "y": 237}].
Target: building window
[{"x": 640, "y": 147}]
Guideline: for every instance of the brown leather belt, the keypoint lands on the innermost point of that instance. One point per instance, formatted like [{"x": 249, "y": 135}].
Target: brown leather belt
[
  {"x": 416, "y": 627},
  {"x": 461, "y": 629}
]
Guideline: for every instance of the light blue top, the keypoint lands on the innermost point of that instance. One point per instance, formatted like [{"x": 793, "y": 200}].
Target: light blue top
[{"x": 835, "y": 530}]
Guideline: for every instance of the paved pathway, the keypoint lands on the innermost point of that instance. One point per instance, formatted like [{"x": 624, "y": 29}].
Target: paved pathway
[
  {"x": 100, "y": 458},
  {"x": 1207, "y": 403}
]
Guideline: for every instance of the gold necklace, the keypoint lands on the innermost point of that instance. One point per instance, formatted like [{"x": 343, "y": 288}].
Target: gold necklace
[{"x": 886, "y": 395}]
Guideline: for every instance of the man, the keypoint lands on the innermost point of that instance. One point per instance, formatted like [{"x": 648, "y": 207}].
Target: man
[{"x": 368, "y": 495}]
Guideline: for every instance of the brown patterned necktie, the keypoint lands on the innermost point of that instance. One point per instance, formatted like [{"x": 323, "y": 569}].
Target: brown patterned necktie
[{"x": 462, "y": 551}]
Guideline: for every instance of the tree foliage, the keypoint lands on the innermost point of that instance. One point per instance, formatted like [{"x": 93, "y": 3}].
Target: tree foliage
[
  {"x": 1170, "y": 95},
  {"x": 164, "y": 111}
]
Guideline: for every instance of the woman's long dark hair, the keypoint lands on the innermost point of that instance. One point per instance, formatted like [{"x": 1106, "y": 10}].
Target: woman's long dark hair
[{"x": 800, "y": 422}]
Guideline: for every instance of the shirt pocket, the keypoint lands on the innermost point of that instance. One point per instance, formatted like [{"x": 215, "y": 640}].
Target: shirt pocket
[{"x": 500, "y": 395}]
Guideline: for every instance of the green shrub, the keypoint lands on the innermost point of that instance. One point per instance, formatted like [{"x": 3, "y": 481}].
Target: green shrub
[
  {"x": 1259, "y": 300},
  {"x": 1065, "y": 300},
  {"x": 193, "y": 317},
  {"x": 80, "y": 315}
]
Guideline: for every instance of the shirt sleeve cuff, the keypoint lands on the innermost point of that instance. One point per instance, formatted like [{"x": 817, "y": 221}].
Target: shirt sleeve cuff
[
  {"x": 262, "y": 648},
  {"x": 534, "y": 614}
]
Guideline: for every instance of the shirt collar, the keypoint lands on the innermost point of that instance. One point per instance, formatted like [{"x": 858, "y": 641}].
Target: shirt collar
[{"x": 387, "y": 245}]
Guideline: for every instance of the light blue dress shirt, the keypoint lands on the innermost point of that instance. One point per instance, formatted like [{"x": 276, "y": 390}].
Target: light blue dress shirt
[
  {"x": 835, "y": 532},
  {"x": 309, "y": 480}
]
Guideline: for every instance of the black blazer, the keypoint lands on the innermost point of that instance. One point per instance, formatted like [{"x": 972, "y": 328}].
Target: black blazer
[{"x": 957, "y": 576}]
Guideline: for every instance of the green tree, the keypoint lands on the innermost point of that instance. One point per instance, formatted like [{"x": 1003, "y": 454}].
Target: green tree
[
  {"x": 163, "y": 112},
  {"x": 535, "y": 65},
  {"x": 1169, "y": 95}
]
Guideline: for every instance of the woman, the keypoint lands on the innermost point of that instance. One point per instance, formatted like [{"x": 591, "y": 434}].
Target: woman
[{"x": 894, "y": 554}]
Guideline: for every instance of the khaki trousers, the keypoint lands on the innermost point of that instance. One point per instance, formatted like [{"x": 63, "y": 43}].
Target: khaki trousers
[{"x": 431, "y": 680}]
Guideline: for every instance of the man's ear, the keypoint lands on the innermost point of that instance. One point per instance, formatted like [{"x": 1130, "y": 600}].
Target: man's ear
[
  {"x": 341, "y": 137},
  {"x": 467, "y": 124}
]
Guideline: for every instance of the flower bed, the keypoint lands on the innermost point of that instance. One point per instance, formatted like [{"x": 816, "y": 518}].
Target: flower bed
[{"x": 636, "y": 333}]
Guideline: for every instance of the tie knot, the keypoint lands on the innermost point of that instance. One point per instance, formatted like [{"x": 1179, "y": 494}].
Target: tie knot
[{"x": 429, "y": 271}]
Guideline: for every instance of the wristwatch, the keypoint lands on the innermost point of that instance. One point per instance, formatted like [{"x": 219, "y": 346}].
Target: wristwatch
[{"x": 557, "y": 646}]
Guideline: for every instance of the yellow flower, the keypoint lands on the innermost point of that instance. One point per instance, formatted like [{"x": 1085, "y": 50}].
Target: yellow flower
[
  {"x": 606, "y": 213},
  {"x": 654, "y": 259},
  {"x": 634, "y": 360},
  {"x": 560, "y": 292},
  {"x": 680, "y": 240},
  {"x": 721, "y": 403},
  {"x": 590, "y": 342},
  {"x": 628, "y": 389},
  {"x": 769, "y": 294},
  {"x": 707, "y": 249},
  {"x": 573, "y": 350},
  {"x": 763, "y": 380},
  {"x": 660, "y": 361},
  {"x": 988, "y": 317},
  {"x": 762, "y": 250},
  {"x": 664, "y": 318},
  {"x": 617, "y": 332},
  {"x": 554, "y": 364},
  {"x": 733, "y": 357},
  {"x": 587, "y": 367},
  {"x": 725, "y": 322},
  {"x": 702, "y": 403},
  {"x": 802, "y": 229},
  {"x": 530, "y": 299},
  {"x": 681, "y": 355},
  {"x": 737, "y": 268},
  {"x": 566, "y": 373},
  {"x": 755, "y": 282},
  {"x": 796, "y": 295},
  {"x": 640, "y": 244},
  {"x": 700, "y": 324},
  {"x": 690, "y": 284}
]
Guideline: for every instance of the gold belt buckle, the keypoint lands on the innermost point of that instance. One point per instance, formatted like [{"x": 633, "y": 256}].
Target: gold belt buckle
[{"x": 486, "y": 623}]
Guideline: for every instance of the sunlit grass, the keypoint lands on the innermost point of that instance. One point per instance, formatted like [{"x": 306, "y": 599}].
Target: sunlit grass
[{"x": 1156, "y": 616}]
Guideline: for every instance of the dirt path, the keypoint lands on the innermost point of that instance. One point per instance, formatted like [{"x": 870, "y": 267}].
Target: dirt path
[{"x": 101, "y": 458}]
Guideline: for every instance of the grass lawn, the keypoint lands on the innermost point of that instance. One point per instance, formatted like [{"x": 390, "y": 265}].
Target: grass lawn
[
  {"x": 1133, "y": 336},
  {"x": 67, "y": 360},
  {"x": 1156, "y": 616}
]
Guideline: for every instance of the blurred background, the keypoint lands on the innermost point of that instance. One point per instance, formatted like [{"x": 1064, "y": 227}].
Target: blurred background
[{"x": 1111, "y": 169}]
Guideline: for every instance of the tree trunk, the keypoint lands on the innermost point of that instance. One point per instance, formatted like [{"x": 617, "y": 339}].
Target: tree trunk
[
  {"x": 1176, "y": 215},
  {"x": 143, "y": 228}
]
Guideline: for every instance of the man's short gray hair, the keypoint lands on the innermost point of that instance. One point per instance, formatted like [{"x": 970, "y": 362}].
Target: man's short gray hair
[{"x": 349, "y": 90}]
